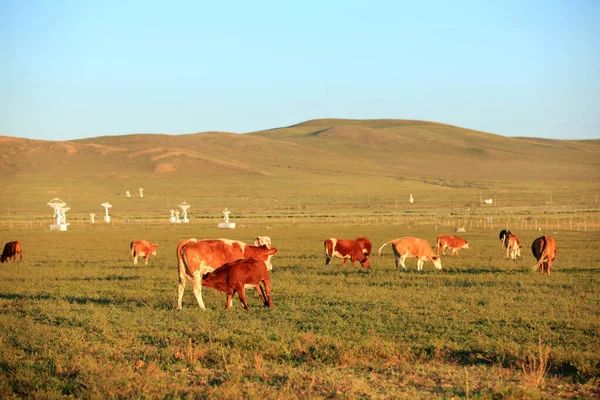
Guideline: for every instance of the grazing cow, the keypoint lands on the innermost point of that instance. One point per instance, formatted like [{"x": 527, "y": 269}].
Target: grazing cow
[
  {"x": 413, "y": 247},
  {"x": 11, "y": 249},
  {"x": 196, "y": 258},
  {"x": 142, "y": 248},
  {"x": 452, "y": 242},
  {"x": 263, "y": 240},
  {"x": 504, "y": 234},
  {"x": 544, "y": 251},
  {"x": 514, "y": 247},
  {"x": 355, "y": 250},
  {"x": 238, "y": 275}
]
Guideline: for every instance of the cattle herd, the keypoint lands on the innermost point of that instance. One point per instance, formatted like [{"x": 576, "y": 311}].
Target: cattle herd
[{"x": 231, "y": 266}]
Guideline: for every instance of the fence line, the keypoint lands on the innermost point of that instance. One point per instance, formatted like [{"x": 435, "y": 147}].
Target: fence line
[{"x": 493, "y": 222}]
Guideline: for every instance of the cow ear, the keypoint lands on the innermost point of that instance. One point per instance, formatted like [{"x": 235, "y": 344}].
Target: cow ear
[{"x": 272, "y": 251}]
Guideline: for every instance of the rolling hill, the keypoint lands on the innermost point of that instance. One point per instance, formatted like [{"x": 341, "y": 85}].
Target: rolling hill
[{"x": 392, "y": 148}]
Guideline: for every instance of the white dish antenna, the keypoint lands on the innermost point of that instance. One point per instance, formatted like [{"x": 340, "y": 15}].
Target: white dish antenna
[
  {"x": 60, "y": 209},
  {"x": 184, "y": 206},
  {"x": 106, "y": 206}
]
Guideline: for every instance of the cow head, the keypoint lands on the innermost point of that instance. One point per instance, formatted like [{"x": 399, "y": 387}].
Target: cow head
[
  {"x": 2, "y": 259},
  {"x": 363, "y": 258},
  {"x": 437, "y": 262},
  {"x": 262, "y": 253},
  {"x": 466, "y": 245},
  {"x": 153, "y": 248},
  {"x": 365, "y": 245}
]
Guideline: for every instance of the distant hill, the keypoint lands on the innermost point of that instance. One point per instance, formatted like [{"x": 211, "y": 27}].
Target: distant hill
[{"x": 392, "y": 148}]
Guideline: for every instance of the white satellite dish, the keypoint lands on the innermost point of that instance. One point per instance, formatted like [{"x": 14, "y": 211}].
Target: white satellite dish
[
  {"x": 59, "y": 213},
  {"x": 141, "y": 192},
  {"x": 106, "y": 206},
  {"x": 184, "y": 206},
  {"x": 226, "y": 224},
  {"x": 92, "y": 215}
]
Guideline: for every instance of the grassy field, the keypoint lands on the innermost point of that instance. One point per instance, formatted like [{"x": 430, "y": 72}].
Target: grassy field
[{"x": 77, "y": 319}]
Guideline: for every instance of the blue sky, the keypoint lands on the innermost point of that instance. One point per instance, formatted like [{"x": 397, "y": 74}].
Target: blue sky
[{"x": 75, "y": 69}]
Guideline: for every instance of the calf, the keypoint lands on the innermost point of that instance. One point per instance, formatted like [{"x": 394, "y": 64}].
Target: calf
[
  {"x": 452, "y": 242},
  {"x": 142, "y": 248},
  {"x": 263, "y": 240},
  {"x": 513, "y": 247},
  {"x": 413, "y": 247},
  {"x": 196, "y": 258},
  {"x": 544, "y": 251},
  {"x": 239, "y": 275},
  {"x": 11, "y": 249},
  {"x": 354, "y": 250}
]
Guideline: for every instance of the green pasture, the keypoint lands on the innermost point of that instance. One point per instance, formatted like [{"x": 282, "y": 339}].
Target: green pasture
[{"x": 77, "y": 319}]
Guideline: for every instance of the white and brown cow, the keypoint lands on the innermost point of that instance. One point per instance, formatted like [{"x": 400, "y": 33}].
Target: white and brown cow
[
  {"x": 196, "y": 258},
  {"x": 142, "y": 248},
  {"x": 544, "y": 251},
  {"x": 348, "y": 249},
  {"x": 451, "y": 242},
  {"x": 513, "y": 247},
  {"x": 263, "y": 240},
  {"x": 413, "y": 247}
]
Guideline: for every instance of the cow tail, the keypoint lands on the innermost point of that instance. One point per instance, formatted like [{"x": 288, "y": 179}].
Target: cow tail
[
  {"x": 180, "y": 255},
  {"x": 327, "y": 251},
  {"x": 131, "y": 247},
  {"x": 381, "y": 248},
  {"x": 543, "y": 256}
]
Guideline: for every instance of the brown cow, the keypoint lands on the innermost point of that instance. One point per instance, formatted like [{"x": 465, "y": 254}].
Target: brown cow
[
  {"x": 544, "y": 251},
  {"x": 452, "y": 242},
  {"x": 11, "y": 249},
  {"x": 142, "y": 248},
  {"x": 514, "y": 247},
  {"x": 355, "y": 250},
  {"x": 413, "y": 247},
  {"x": 238, "y": 275},
  {"x": 196, "y": 258}
]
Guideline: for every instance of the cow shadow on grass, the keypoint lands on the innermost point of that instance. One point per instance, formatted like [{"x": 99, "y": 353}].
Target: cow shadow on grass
[
  {"x": 19, "y": 296},
  {"x": 103, "y": 301},
  {"x": 108, "y": 278},
  {"x": 341, "y": 271},
  {"x": 469, "y": 358}
]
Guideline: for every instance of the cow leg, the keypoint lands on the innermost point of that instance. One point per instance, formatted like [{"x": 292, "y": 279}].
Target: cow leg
[
  {"x": 402, "y": 262},
  {"x": 198, "y": 289},
  {"x": 229, "y": 300},
  {"x": 327, "y": 261},
  {"x": 267, "y": 284},
  {"x": 21, "y": 255},
  {"x": 419, "y": 264},
  {"x": 135, "y": 259},
  {"x": 260, "y": 292},
  {"x": 345, "y": 262},
  {"x": 180, "y": 290},
  {"x": 242, "y": 295},
  {"x": 146, "y": 258}
]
